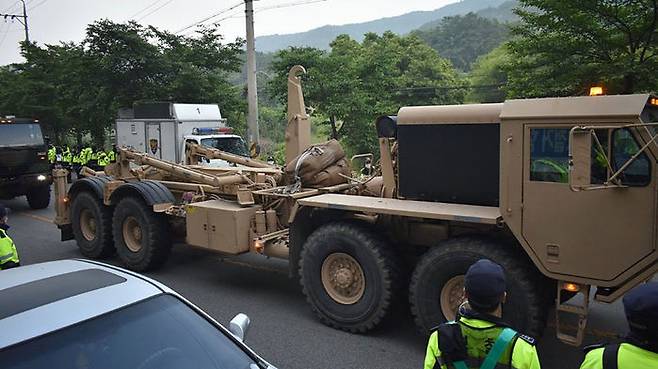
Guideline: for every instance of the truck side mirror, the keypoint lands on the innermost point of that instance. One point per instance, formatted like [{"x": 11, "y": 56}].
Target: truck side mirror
[
  {"x": 580, "y": 158},
  {"x": 239, "y": 326}
]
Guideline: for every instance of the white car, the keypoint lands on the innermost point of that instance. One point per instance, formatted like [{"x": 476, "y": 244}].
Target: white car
[{"x": 79, "y": 314}]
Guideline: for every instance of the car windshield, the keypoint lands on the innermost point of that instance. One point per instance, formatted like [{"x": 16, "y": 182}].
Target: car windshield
[
  {"x": 20, "y": 135},
  {"x": 159, "y": 333},
  {"x": 233, "y": 145}
]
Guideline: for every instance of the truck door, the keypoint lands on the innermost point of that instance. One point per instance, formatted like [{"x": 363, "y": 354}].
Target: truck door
[
  {"x": 153, "y": 140},
  {"x": 596, "y": 234}
]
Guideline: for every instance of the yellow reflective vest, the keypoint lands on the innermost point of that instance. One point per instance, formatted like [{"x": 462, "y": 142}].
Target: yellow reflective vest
[
  {"x": 628, "y": 357},
  {"x": 8, "y": 251},
  {"x": 52, "y": 155},
  {"x": 480, "y": 336}
]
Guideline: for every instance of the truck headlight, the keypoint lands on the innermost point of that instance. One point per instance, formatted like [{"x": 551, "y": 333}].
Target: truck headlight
[{"x": 41, "y": 177}]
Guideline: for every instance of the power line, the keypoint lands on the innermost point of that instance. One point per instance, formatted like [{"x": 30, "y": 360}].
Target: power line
[
  {"x": 18, "y": 17},
  {"x": 155, "y": 10},
  {"x": 224, "y": 11},
  {"x": 38, "y": 5},
  {"x": 144, "y": 9},
  {"x": 6, "y": 32},
  {"x": 234, "y": 15},
  {"x": 10, "y": 7},
  {"x": 291, "y": 4}
]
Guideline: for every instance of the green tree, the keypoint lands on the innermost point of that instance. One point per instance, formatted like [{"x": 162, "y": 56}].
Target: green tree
[
  {"x": 78, "y": 87},
  {"x": 488, "y": 78},
  {"x": 357, "y": 82},
  {"x": 463, "y": 38},
  {"x": 563, "y": 47}
]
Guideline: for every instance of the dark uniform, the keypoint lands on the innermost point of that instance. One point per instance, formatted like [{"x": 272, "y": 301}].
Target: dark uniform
[
  {"x": 478, "y": 339},
  {"x": 639, "y": 349}
]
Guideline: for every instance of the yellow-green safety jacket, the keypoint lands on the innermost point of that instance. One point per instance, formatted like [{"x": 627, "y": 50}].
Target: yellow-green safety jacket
[
  {"x": 111, "y": 156},
  {"x": 85, "y": 155},
  {"x": 8, "y": 251},
  {"x": 52, "y": 155},
  {"x": 628, "y": 356},
  {"x": 102, "y": 159},
  {"x": 66, "y": 155},
  {"x": 480, "y": 336}
]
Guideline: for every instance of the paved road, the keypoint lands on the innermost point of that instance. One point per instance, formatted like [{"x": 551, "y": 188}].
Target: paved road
[{"x": 283, "y": 329}]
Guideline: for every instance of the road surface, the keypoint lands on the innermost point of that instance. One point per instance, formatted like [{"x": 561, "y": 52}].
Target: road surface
[{"x": 283, "y": 329}]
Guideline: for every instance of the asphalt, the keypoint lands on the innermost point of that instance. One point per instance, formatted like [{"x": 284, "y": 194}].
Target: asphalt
[{"x": 283, "y": 328}]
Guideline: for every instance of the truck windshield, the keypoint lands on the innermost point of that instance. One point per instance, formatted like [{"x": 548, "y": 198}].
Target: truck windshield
[
  {"x": 158, "y": 333},
  {"x": 233, "y": 145},
  {"x": 20, "y": 135}
]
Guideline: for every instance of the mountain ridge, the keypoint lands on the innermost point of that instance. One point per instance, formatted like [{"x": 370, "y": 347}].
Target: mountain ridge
[{"x": 322, "y": 36}]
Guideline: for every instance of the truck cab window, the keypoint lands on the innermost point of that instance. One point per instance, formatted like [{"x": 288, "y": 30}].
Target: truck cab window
[
  {"x": 600, "y": 156},
  {"x": 549, "y": 155},
  {"x": 624, "y": 146}
]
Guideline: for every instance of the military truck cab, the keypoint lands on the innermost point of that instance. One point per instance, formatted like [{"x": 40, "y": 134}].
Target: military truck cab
[
  {"x": 24, "y": 166},
  {"x": 573, "y": 181}
]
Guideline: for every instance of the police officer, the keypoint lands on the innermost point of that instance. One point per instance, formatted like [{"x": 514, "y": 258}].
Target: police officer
[
  {"x": 51, "y": 154},
  {"x": 479, "y": 338},
  {"x": 639, "y": 349},
  {"x": 111, "y": 156},
  {"x": 8, "y": 253}
]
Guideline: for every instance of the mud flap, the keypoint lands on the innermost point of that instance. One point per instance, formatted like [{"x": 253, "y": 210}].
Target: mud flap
[{"x": 66, "y": 232}]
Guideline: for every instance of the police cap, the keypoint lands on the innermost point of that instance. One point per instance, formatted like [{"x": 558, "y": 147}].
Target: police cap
[
  {"x": 641, "y": 307},
  {"x": 485, "y": 285}
]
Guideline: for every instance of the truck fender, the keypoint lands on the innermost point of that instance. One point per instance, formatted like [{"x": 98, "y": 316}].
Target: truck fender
[
  {"x": 152, "y": 192},
  {"x": 94, "y": 185},
  {"x": 303, "y": 222}
]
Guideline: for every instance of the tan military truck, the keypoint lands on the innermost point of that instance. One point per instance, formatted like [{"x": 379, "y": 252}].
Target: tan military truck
[{"x": 561, "y": 192}]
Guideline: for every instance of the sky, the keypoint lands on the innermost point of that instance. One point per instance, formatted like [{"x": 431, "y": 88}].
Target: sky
[{"x": 52, "y": 21}]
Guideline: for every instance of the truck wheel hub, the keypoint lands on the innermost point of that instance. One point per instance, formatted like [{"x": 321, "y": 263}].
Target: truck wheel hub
[
  {"x": 88, "y": 225},
  {"x": 132, "y": 234},
  {"x": 342, "y": 278},
  {"x": 452, "y": 296}
]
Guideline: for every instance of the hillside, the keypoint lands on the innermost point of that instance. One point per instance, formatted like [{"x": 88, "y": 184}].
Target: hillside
[
  {"x": 323, "y": 36},
  {"x": 501, "y": 12},
  {"x": 463, "y": 38}
]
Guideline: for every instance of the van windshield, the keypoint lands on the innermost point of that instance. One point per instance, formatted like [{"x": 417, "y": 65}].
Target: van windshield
[
  {"x": 20, "y": 135},
  {"x": 233, "y": 145}
]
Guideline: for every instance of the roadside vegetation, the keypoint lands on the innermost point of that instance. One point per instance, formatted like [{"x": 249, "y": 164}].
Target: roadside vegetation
[{"x": 525, "y": 48}]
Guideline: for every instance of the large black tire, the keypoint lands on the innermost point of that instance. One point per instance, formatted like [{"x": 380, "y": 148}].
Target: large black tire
[
  {"x": 525, "y": 308},
  {"x": 92, "y": 226},
  {"x": 39, "y": 197},
  {"x": 147, "y": 248},
  {"x": 328, "y": 246}
]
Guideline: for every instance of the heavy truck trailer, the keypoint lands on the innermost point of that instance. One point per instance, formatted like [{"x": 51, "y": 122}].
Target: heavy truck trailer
[{"x": 453, "y": 184}]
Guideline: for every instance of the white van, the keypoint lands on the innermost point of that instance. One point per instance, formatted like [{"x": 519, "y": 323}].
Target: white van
[{"x": 162, "y": 129}]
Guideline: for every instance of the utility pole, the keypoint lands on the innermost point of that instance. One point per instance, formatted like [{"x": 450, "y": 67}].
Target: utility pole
[
  {"x": 27, "y": 32},
  {"x": 252, "y": 93},
  {"x": 18, "y": 17}
]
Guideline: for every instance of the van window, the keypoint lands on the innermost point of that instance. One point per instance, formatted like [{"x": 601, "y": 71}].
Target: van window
[{"x": 233, "y": 145}]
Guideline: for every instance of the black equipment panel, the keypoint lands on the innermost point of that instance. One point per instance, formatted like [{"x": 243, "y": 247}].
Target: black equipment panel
[{"x": 455, "y": 163}]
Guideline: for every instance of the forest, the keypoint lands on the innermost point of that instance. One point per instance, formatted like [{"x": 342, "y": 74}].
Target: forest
[{"x": 541, "y": 48}]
